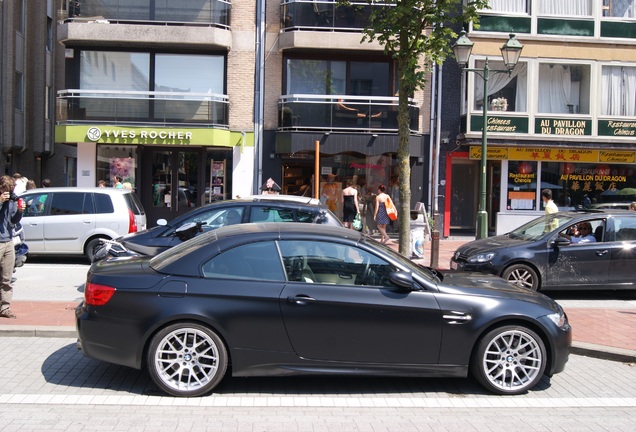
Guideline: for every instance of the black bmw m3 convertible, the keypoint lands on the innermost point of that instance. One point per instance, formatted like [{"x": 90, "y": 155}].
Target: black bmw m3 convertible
[{"x": 289, "y": 298}]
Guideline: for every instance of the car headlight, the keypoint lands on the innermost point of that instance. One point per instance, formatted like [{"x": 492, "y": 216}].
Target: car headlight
[
  {"x": 558, "y": 318},
  {"x": 481, "y": 258}
]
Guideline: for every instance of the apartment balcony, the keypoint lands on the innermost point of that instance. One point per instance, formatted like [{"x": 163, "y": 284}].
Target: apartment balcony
[
  {"x": 340, "y": 26},
  {"x": 160, "y": 23},
  {"x": 335, "y": 113},
  {"x": 135, "y": 108}
]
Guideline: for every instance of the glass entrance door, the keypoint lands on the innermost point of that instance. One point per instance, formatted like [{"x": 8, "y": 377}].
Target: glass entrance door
[{"x": 174, "y": 184}]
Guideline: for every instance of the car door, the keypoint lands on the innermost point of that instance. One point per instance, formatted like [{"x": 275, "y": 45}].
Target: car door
[
  {"x": 357, "y": 316},
  {"x": 70, "y": 221},
  {"x": 579, "y": 265},
  {"x": 33, "y": 220},
  {"x": 622, "y": 249}
]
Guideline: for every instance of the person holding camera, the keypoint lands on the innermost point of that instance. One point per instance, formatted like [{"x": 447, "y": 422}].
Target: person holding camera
[{"x": 11, "y": 208}]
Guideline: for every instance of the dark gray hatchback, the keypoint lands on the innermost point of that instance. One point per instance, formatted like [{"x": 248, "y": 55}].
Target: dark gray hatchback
[
  {"x": 256, "y": 208},
  {"x": 542, "y": 255}
]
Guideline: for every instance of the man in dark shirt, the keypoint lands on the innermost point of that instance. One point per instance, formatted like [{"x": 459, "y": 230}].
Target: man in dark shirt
[{"x": 10, "y": 214}]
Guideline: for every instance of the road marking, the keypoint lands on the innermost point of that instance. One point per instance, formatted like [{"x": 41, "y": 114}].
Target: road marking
[{"x": 317, "y": 401}]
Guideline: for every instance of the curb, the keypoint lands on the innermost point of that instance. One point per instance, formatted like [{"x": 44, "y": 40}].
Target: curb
[
  {"x": 38, "y": 331},
  {"x": 578, "y": 348},
  {"x": 603, "y": 352}
]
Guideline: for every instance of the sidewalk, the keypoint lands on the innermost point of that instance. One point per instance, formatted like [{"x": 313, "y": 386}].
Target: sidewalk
[{"x": 598, "y": 332}]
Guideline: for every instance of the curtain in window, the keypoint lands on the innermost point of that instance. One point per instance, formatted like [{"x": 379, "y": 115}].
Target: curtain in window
[
  {"x": 565, "y": 7},
  {"x": 623, "y": 8},
  {"x": 554, "y": 88},
  {"x": 619, "y": 91},
  {"x": 517, "y": 6},
  {"x": 496, "y": 82}
]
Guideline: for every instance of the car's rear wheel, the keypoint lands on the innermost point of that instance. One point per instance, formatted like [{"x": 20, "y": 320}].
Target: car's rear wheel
[
  {"x": 187, "y": 359},
  {"x": 509, "y": 360},
  {"x": 91, "y": 247},
  {"x": 523, "y": 276}
]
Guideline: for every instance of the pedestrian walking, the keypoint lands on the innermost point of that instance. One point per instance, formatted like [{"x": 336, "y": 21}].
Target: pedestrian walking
[{"x": 381, "y": 216}]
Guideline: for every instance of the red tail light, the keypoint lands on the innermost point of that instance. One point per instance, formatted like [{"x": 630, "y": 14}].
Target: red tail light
[
  {"x": 97, "y": 295},
  {"x": 132, "y": 223}
]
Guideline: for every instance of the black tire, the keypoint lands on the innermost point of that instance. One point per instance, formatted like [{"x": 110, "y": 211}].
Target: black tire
[
  {"x": 523, "y": 276},
  {"x": 509, "y": 360},
  {"x": 92, "y": 247},
  {"x": 186, "y": 359}
]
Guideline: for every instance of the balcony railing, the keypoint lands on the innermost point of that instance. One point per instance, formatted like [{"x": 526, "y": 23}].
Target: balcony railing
[
  {"x": 199, "y": 12},
  {"x": 137, "y": 108},
  {"x": 341, "y": 112},
  {"x": 324, "y": 15}
]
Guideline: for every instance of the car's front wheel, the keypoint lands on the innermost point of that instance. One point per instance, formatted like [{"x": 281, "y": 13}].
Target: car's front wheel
[
  {"x": 187, "y": 359},
  {"x": 509, "y": 360},
  {"x": 522, "y": 275}
]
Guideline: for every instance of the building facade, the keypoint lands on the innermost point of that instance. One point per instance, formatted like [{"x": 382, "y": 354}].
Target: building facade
[
  {"x": 564, "y": 119},
  {"x": 27, "y": 93},
  {"x": 212, "y": 98}
]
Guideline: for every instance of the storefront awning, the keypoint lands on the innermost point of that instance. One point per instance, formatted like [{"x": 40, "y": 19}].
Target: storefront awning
[{"x": 334, "y": 143}]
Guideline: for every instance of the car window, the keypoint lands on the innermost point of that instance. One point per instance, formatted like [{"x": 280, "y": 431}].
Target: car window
[
  {"x": 251, "y": 261},
  {"x": 67, "y": 203},
  {"x": 212, "y": 218},
  {"x": 625, "y": 228},
  {"x": 134, "y": 204},
  {"x": 305, "y": 216},
  {"x": 35, "y": 204},
  {"x": 271, "y": 214},
  {"x": 575, "y": 230},
  {"x": 103, "y": 203},
  {"x": 333, "y": 263},
  {"x": 537, "y": 228}
]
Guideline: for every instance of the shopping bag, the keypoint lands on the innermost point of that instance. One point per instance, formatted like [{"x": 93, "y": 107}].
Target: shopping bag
[
  {"x": 357, "y": 222},
  {"x": 390, "y": 209}
]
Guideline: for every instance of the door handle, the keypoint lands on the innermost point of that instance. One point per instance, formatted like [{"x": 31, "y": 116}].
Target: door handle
[
  {"x": 301, "y": 299},
  {"x": 601, "y": 252}
]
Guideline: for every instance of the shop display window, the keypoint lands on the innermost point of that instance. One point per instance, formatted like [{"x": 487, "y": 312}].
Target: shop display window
[{"x": 522, "y": 185}]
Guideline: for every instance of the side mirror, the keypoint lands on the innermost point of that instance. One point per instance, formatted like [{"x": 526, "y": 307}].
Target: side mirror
[
  {"x": 162, "y": 222},
  {"x": 561, "y": 241},
  {"x": 402, "y": 279}
]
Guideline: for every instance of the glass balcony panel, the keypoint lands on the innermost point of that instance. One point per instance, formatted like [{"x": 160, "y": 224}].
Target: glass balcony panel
[
  {"x": 334, "y": 112},
  {"x": 183, "y": 11},
  {"x": 324, "y": 15},
  {"x": 77, "y": 106}
]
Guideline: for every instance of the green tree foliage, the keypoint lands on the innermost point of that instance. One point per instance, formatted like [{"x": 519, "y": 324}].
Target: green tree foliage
[{"x": 411, "y": 31}]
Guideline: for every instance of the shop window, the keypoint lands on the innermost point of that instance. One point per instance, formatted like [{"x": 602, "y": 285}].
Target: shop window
[
  {"x": 117, "y": 161},
  {"x": 505, "y": 92},
  {"x": 565, "y": 7},
  {"x": 522, "y": 185},
  {"x": 618, "y": 94},
  {"x": 581, "y": 185},
  {"x": 564, "y": 88}
]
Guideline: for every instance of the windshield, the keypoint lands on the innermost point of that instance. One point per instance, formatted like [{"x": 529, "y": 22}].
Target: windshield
[
  {"x": 413, "y": 267},
  {"x": 537, "y": 228}
]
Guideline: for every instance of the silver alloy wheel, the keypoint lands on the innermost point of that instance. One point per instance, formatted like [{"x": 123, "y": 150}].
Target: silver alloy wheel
[
  {"x": 512, "y": 361},
  {"x": 187, "y": 360},
  {"x": 523, "y": 276}
]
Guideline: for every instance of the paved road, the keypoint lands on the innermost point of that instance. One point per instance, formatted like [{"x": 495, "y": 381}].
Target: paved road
[{"x": 47, "y": 384}]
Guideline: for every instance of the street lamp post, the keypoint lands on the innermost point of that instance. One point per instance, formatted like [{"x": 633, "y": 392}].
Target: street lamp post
[{"x": 510, "y": 51}]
